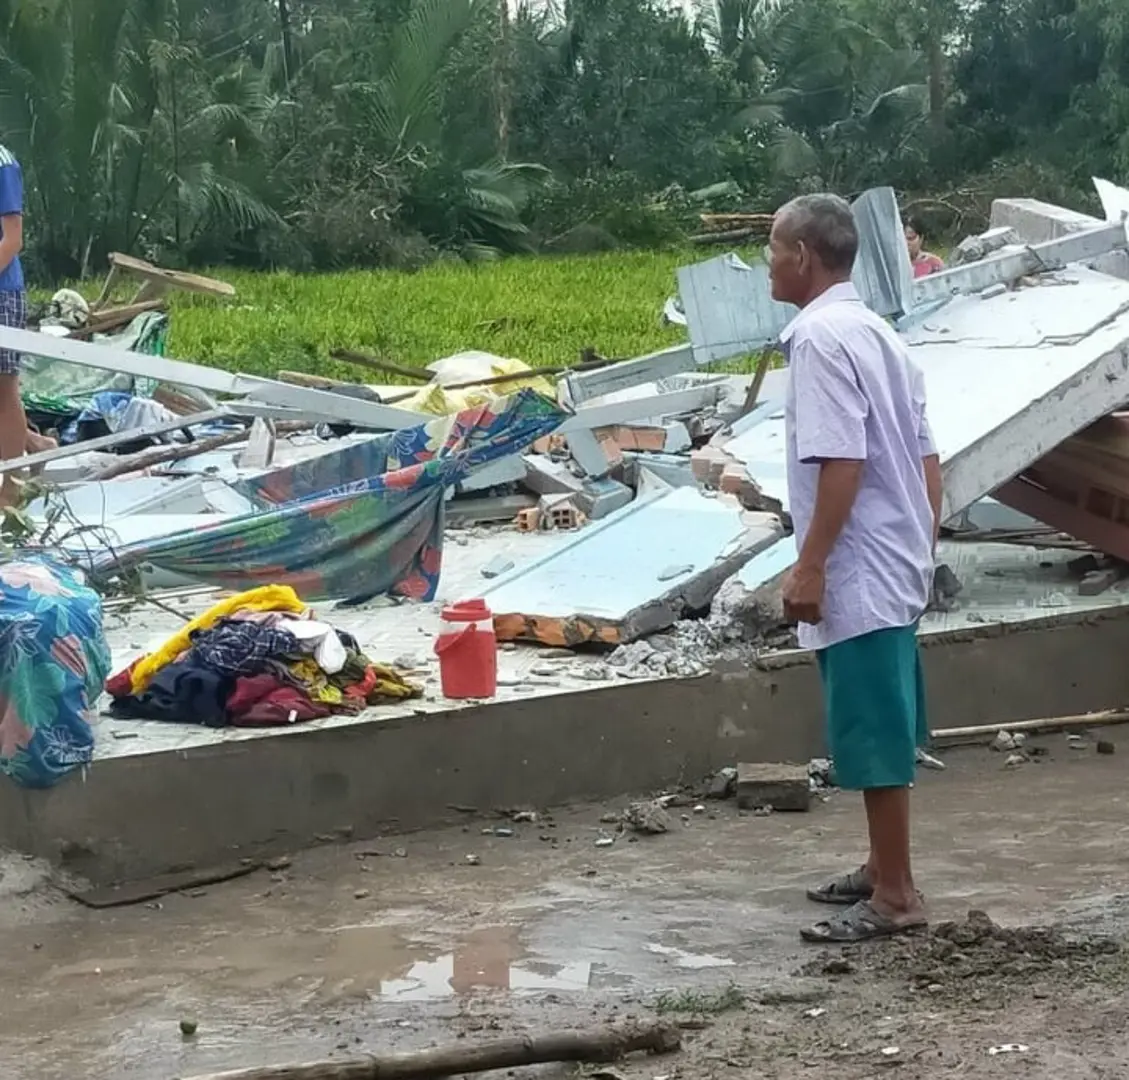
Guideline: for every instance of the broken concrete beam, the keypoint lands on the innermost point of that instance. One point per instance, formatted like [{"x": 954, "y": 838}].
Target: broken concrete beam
[
  {"x": 544, "y": 476},
  {"x": 486, "y": 509},
  {"x": 599, "y": 498},
  {"x": 1036, "y": 222},
  {"x": 594, "y": 498},
  {"x": 609, "y": 583},
  {"x": 506, "y": 470},
  {"x": 781, "y": 787},
  {"x": 674, "y": 471},
  {"x": 587, "y": 452}
]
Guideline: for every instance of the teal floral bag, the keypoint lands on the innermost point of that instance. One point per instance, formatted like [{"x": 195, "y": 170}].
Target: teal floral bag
[{"x": 53, "y": 663}]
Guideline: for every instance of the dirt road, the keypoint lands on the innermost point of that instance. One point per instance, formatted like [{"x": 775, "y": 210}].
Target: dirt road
[{"x": 406, "y": 942}]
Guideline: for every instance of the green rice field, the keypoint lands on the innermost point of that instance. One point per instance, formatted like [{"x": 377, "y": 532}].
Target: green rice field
[{"x": 541, "y": 310}]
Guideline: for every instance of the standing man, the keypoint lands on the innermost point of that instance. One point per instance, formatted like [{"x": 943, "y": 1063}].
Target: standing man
[
  {"x": 864, "y": 483},
  {"x": 13, "y": 312}
]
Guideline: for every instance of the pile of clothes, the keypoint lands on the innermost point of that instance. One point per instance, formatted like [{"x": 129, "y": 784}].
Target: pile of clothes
[{"x": 257, "y": 659}]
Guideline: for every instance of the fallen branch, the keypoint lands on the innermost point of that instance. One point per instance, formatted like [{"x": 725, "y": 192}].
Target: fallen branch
[
  {"x": 387, "y": 367},
  {"x": 1048, "y": 723},
  {"x": 608, "y": 1044}
]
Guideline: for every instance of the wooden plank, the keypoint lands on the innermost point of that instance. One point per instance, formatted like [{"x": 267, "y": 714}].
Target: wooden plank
[
  {"x": 118, "y": 438},
  {"x": 175, "y": 279},
  {"x": 1106, "y": 535}
]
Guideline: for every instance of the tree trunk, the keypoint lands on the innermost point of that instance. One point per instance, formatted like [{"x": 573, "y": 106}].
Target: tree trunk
[
  {"x": 287, "y": 42},
  {"x": 501, "y": 80},
  {"x": 936, "y": 80}
]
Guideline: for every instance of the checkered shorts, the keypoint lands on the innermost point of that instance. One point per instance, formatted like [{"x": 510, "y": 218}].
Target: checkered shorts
[{"x": 13, "y": 312}]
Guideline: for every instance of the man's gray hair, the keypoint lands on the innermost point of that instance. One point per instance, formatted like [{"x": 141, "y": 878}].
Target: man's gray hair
[{"x": 826, "y": 225}]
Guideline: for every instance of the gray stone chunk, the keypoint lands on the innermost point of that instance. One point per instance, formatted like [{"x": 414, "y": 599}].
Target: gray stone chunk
[{"x": 783, "y": 787}]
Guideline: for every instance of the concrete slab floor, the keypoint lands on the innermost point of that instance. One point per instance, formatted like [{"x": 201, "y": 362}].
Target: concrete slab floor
[{"x": 403, "y": 943}]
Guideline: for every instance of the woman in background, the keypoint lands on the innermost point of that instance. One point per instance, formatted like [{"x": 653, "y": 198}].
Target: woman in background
[{"x": 923, "y": 262}]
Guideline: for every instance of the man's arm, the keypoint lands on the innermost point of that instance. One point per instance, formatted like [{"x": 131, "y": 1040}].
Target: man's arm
[
  {"x": 935, "y": 489},
  {"x": 12, "y": 241},
  {"x": 11, "y": 213},
  {"x": 930, "y": 459}
]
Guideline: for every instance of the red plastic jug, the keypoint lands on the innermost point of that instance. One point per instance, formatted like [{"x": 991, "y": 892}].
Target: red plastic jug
[{"x": 468, "y": 651}]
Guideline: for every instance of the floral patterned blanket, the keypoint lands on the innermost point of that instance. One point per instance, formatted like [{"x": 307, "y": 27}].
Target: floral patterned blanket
[{"x": 53, "y": 663}]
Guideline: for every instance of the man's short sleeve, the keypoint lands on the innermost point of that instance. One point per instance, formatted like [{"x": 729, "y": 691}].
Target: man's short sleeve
[
  {"x": 11, "y": 190},
  {"x": 830, "y": 408}
]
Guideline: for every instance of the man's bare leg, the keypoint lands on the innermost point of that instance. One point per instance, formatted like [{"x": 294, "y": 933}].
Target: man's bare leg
[
  {"x": 13, "y": 433},
  {"x": 888, "y": 868}
]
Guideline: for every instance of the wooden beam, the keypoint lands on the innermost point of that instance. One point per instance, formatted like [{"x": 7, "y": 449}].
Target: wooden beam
[{"x": 1106, "y": 535}]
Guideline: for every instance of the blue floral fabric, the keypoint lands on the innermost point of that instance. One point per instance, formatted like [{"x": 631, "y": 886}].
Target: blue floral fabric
[
  {"x": 365, "y": 520},
  {"x": 53, "y": 664}
]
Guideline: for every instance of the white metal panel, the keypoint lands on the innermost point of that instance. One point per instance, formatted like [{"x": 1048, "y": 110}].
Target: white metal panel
[{"x": 995, "y": 410}]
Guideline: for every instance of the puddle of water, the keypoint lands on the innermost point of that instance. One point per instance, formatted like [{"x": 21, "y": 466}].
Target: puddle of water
[
  {"x": 692, "y": 961},
  {"x": 451, "y": 975}
]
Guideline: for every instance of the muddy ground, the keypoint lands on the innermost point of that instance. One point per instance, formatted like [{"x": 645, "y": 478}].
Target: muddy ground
[{"x": 405, "y": 942}]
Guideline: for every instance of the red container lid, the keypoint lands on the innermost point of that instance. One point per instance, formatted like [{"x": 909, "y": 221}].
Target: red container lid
[{"x": 467, "y": 611}]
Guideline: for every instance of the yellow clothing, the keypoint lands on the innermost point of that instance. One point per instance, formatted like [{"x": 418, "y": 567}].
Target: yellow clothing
[{"x": 264, "y": 598}]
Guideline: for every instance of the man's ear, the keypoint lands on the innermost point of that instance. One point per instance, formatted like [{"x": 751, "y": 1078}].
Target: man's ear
[{"x": 803, "y": 257}]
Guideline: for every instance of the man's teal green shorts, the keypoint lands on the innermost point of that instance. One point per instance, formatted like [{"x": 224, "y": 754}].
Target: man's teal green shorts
[{"x": 874, "y": 694}]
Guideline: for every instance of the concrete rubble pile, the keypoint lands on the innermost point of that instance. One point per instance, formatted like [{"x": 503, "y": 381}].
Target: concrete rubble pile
[{"x": 653, "y": 493}]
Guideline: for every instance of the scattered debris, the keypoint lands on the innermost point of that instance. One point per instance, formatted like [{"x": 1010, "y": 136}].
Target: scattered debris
[
  {"x": 1008, "y": 1048},
  {"x": 648, "y": 818},
  {"x": 928, "y": 761},
  {"x": 954, "y": 957},
  {"x": 188, "y": 1028},
  {"x": 1004, "y": 742},
  {"x": 497, "y": 566},
  {"x": 1106, "y": 747},
  {"x": 723, "y": 784}
]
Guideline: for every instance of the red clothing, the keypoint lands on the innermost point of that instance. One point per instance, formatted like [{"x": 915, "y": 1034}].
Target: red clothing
[{"x": 926, "y": 263}]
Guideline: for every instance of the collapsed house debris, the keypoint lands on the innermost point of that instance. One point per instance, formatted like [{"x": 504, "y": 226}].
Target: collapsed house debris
[{"x": 623, "y": 520}]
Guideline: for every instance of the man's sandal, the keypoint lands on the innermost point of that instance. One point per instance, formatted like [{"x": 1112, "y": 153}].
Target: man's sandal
[
  {"x": 846, "y": 890},
  {"x": 859, "y": 922}
]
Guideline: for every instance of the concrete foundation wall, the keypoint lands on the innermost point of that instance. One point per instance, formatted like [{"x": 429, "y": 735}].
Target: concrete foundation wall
[{"x": 137, "y": 816}]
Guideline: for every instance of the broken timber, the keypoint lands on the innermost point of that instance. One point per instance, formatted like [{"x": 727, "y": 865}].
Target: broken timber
[{"x": 599, "y": 1045}]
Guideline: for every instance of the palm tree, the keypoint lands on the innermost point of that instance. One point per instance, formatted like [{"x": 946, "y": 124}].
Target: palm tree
[{"x": 130, "y": 135}]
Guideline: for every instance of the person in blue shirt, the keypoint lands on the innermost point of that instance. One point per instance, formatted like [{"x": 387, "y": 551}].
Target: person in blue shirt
[{"x": 14, "y": 435}]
